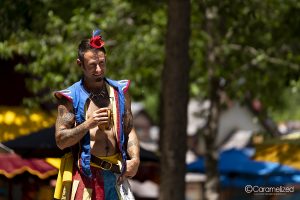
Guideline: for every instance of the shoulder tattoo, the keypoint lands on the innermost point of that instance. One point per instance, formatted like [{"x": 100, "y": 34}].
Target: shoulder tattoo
[
  {"x": 128, "y": 121},
  {"x": 65, "y": 116}
]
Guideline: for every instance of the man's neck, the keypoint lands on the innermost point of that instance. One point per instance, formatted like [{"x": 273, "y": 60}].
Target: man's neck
[{"x": 93, "y": 88}]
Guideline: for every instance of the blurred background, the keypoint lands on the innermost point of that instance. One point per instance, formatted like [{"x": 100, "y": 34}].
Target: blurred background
[{"x": 242, "y": 111}]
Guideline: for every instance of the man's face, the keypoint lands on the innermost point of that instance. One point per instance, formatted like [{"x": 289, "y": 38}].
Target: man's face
[{"x": 94, "y": 66}]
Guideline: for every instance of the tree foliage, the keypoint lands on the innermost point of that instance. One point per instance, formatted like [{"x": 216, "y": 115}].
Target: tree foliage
[
  {"x": 257, "y": 49},
  {"x": 255, "y": 44},
  {"x": 48, "y": 33}
]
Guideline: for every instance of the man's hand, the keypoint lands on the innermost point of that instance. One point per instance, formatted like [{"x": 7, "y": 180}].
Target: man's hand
[
  {"x": 132, "y": 167},
  {"x": 131, "y": 170},
  {"x": 98, "y": 118}
]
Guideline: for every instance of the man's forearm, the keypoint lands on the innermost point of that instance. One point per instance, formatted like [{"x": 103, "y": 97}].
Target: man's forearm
[
  {"x": 68, "y": 137},
  {"x": 133, "y": 146}
]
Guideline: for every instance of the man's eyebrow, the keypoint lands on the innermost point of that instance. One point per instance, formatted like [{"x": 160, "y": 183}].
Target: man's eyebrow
[{"x": 92, "y": 61}]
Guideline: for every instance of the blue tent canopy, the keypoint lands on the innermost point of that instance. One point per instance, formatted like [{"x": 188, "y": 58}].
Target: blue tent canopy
[{"x": 238, "y": 169}]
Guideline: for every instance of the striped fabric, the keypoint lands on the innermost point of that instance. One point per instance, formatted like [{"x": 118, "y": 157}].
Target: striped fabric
[{"x": 102, "y": 186}]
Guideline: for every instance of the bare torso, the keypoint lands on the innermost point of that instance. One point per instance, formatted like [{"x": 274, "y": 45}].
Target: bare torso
[{"x": 102, "y": 140}]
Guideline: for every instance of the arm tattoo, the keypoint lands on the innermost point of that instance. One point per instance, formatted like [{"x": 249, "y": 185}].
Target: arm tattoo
[
  {"x": 128, "y": 122},
  {"x": 133, "y": 148},
  {"x": 68, "y": 118},
  {"x": 66, "y": 135},
  {"x": 61, "y": 110},
  {"x": 65, "y": 118},
  {"x": 69, "y": 137},
  {"x": 132, "y": 143},
  {"x": 128, "y": 118}
]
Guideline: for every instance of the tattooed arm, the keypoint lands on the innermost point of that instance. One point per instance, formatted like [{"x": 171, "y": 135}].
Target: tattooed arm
[
  {"x": 66, "y": 134},
  {"x": 133, "y": 147}
]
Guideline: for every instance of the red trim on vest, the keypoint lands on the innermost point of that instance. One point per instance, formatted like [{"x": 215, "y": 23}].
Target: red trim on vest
[
  {"x": 118, "y": 118},
  {"x": 127, "y": 87},
  {"x": 63, "y": 95}
]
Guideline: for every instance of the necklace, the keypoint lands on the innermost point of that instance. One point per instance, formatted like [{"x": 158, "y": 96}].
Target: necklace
[
  {"x": 102, "y": 93},
  {"x": 100, "y": 99}
]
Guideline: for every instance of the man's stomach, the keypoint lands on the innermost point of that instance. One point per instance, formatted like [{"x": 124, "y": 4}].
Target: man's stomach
[{"x": 103, "y": 146}]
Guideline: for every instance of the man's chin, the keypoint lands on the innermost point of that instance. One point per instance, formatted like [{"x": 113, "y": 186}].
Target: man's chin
[{"x": 99, "y": 79}]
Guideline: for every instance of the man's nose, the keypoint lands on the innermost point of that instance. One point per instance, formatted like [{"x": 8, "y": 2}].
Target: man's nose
[{"x": 98, "y": 68}]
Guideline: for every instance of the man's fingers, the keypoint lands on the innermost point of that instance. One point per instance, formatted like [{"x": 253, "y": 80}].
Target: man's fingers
[
  {"x": 120, "y": 180},
  {"x": 101, "y": 110},
  {"x": 101, "y": 113},
  {"x": 101, "y": 118},
  {"x": 103, "y": 122}
]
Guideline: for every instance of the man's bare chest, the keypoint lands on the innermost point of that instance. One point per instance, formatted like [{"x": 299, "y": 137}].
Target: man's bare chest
[
  {"x": 102, "y": 137},
  {"x": 94, "y": 105}
]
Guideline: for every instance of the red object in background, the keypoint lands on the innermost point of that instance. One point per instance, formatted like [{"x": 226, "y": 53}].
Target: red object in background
[
  {"x": 148, "y": 171},
  {"x": 12, "y": 164}
]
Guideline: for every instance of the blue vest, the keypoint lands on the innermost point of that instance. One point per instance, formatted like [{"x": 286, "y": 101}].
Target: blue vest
[{"x": 78, "y": 96}]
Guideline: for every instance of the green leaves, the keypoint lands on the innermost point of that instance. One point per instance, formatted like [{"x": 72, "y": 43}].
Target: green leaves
[
  {"x": 254, "y": 48},
  {"x": 134, "y": 36},
  {"x": 256, "y": 44}
]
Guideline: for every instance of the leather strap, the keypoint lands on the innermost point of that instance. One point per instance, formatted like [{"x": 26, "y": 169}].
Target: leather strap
[{"x": 105, "y": 165}]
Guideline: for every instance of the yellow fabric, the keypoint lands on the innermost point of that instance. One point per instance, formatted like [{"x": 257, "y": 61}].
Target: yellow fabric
[
  {"x": 64, "y": 178},
  {"x": 114, "y": 159},
  {"x": 111, "y": 93},
  {"x": 284, "y": 153},
  {"x": 55, "y": 162}
]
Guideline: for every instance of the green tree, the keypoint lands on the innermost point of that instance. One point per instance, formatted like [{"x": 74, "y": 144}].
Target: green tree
[
  {"x": 246, "y": 52},
  {"x": 47, "y": 41}
]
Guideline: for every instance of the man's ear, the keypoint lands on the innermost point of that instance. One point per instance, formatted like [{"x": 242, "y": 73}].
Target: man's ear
[{"x": 78, "y": 62}]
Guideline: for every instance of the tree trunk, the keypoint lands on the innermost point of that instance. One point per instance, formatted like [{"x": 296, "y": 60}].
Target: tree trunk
[
  {"x": 211, "y": 186},
  {"x": 174, "y": 101}
]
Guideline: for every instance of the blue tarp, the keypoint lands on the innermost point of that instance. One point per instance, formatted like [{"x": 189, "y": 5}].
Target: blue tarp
[{"x": 238, "y": 169}]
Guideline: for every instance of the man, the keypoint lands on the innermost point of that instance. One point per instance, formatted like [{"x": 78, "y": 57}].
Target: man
[{"x": 95, "y": 121}]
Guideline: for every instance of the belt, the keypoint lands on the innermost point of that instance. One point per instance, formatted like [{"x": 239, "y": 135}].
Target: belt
[{"x": 105, "y": 165}]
